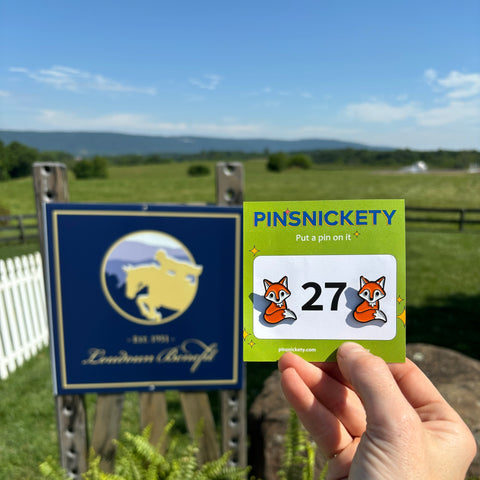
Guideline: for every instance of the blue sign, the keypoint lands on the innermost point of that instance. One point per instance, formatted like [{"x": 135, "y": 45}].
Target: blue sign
[{"x": 144, "y": 297}]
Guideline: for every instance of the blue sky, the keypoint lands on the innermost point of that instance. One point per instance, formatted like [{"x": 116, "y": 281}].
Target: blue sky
[{"x": 402, "y": 74}]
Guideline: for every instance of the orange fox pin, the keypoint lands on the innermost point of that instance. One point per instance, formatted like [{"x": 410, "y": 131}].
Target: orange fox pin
[
  {"x": 277, "y": 293},
  {"x": 371, "y": 292}
]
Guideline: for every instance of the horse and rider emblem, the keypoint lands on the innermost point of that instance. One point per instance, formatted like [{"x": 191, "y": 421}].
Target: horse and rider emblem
[{"x": 150, "y": 277}]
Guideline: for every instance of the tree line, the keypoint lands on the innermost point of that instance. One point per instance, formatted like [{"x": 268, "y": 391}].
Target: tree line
[
  {"x": 16, "y": 159},
  {"x": 396, "y": 158}
]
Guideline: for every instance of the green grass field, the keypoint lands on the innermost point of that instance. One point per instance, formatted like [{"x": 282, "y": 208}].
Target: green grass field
[
  {"x": 443, "y": 287},
  {"x": 170, "y": 183}
]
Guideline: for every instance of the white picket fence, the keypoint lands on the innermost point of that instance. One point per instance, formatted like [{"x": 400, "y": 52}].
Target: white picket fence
[{"x": 23, "y": 315}]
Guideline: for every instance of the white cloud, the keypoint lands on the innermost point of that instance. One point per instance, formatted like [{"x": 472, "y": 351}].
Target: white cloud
[
  {"x": 421, "y": 138},
  {"x": 380, "y": 111},
  {"x": 4, "y": 93},
  {"x": 453, "y": 112},
  {"x": 139, "y": 124},
  {"x": 74, "y": 80},
  {"x": 457, "y": 94},
  {"x": 412, "y": 135},
  {"x": 18, "y": 70},
  {"x": 207, "y": 82},
  {"x": 456, "y": 84},
  {"x": 322, "y": 131},
  {"x": 462, "y": 85},
  {"x": 430, "y": 75},
  {"x": 119, "y": 122},
  {"x": 455, "y": 137}
]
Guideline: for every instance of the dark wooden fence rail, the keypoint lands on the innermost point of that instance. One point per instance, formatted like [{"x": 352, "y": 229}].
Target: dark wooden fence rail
[
  {"x": 18, "y": 228},
  {"x": 443, "y": 216}
]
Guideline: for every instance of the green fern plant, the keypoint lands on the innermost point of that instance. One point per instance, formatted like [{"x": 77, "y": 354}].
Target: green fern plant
[
  {"x": 299, "y": 454},
  {"x": 51, "y": 470},
  {"x": 138, "y": 459}
]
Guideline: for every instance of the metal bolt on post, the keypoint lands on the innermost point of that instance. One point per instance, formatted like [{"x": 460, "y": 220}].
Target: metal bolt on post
[
  {"x": 230, "y": 183},
  {"x": 230, "y": 188},
  {"x": 50, "y": 183}
]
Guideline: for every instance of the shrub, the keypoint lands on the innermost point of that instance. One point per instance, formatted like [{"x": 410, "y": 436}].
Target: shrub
[
  {"x": 82, "y": 169},
  {"x": 99, "y": 167},
  {"x": 16, "y": 160},
  {"x": 300, "y": 160},
  {"x": 277, "y": 162},
  {"x": 198, "y": 170},
  {"x": 95, "y": 168}
]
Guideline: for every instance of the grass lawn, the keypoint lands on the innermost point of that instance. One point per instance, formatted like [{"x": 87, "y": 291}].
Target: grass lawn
[
  {"x": 443, "y": 288},
  {"x": 12, "y": 250},
  {"x": 27, "y": 418},
  {"x": 170, "y": 183}
]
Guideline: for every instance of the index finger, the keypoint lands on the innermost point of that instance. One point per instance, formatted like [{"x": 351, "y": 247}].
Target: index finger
[
  {"x": 333, "y": 395},
  {"x": 326, "y": 429}
]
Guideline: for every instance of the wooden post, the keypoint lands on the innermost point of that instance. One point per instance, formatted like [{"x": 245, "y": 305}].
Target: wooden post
[
  {"x": 153, "y": 411},
  {"x": 230, "y": 183},
  {"x": 22, "y": 229},
  {"x": 197, "y": 410},
  {"x": 230, "y": 188},
  {"x": 462, "y": 219},
  {"x": 50, "y": 184},
  {"x": 106, "y": 428}
]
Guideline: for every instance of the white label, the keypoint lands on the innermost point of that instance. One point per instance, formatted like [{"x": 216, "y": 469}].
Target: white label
[{"x": 325, "y": 297}]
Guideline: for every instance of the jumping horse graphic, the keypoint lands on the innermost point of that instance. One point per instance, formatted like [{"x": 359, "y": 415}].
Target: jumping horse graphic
[{"x": 170, "y": 284}]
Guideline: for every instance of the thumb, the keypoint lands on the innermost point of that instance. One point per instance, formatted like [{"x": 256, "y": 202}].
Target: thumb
[{"x": 370, "y": 377}]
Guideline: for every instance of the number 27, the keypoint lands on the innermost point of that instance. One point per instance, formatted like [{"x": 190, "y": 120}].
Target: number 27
[{"x": 311, "y": 305}]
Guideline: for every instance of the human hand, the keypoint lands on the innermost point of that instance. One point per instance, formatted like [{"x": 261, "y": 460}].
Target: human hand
[{"x": 376, "y": 421}]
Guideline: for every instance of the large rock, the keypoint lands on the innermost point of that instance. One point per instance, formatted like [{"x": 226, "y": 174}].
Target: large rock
[{"x": 455, "y": 375}]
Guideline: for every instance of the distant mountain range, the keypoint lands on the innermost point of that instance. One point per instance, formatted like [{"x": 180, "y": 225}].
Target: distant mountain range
[{"x": 96, "y": 143}]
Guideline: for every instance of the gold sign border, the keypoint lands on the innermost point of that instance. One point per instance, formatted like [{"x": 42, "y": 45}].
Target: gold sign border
[{"x": 59, "y": 305}]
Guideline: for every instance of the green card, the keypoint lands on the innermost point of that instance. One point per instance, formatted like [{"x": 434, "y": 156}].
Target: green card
[{"x": 319, "y": 273}]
